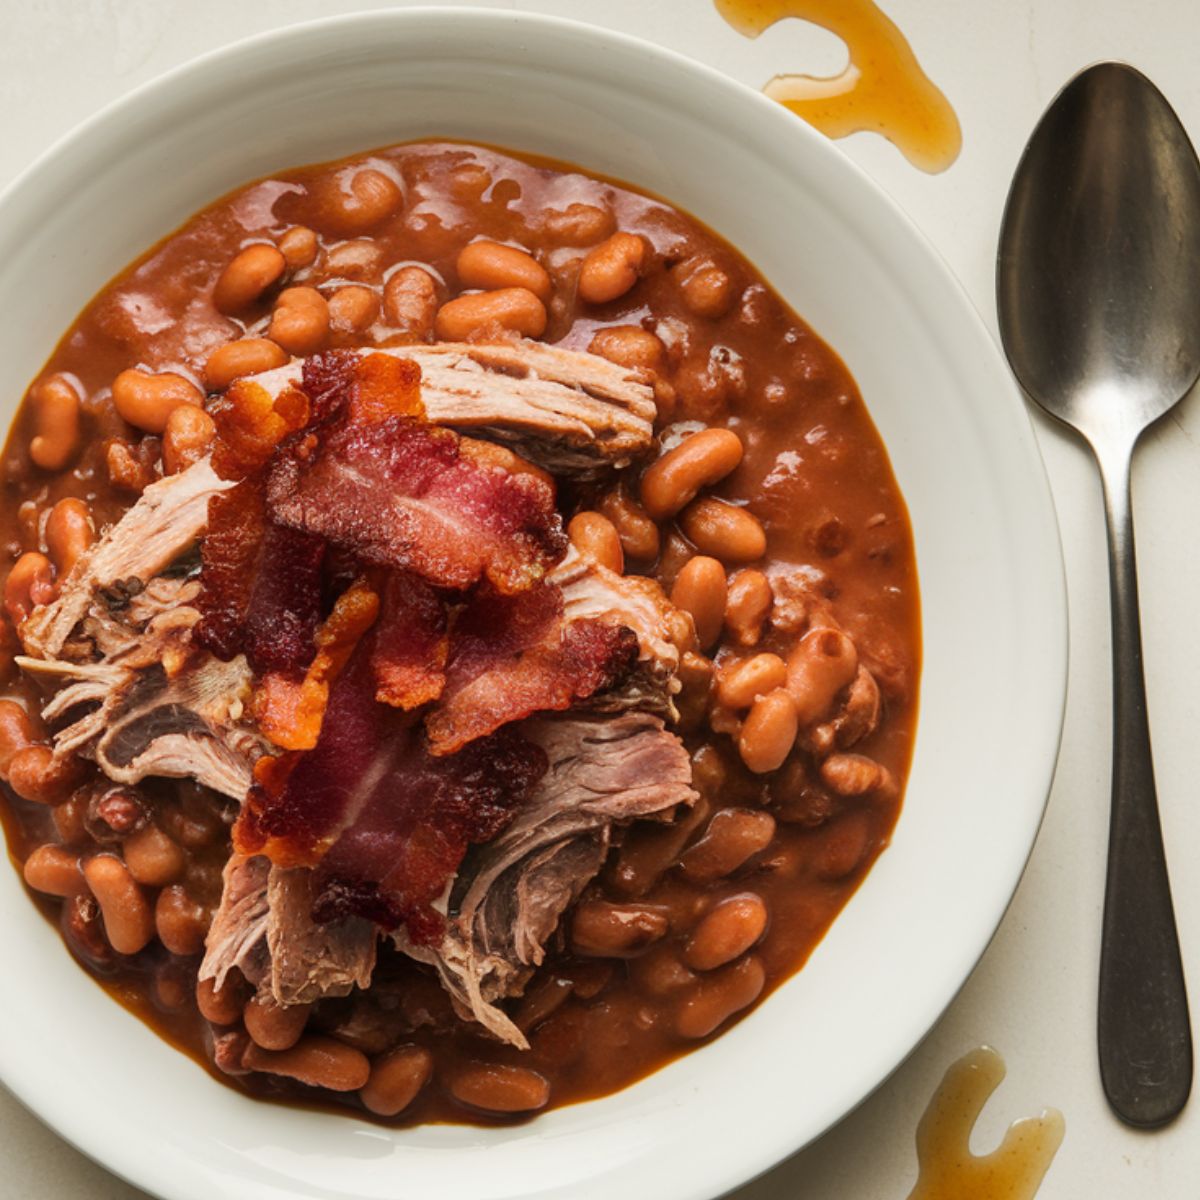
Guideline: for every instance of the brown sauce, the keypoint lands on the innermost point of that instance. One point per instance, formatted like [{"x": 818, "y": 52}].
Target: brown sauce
[
  {"x": 882, "y": 88},
  {"x": 948, "y": 1168},
  {"x": 814, "y": 473}
]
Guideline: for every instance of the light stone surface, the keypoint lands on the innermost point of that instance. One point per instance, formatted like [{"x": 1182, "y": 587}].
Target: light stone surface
[{"x": 1033, "y": 994}]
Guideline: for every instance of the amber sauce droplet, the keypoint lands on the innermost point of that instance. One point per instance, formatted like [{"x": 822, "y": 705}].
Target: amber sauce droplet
[
  {"x": 947, "y": 1168},
  {"x": 882, "y": 89}
]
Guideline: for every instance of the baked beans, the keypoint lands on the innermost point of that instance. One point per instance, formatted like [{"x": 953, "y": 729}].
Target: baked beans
[
  {"x": 275, "y": 1026},
  {"x": 410, "y": 301},
  {"x": 128, "y": 921},
  {"x": 55, "y": 404},
  {"x": 699, "y": 590},
  {"x": 491, "y": 266},
  {"x": 497, "y": 1088},
  {"x": 237, "y": 359},
  {"x": 733, "y": 837},
  {"x": 610, "y": 269},
  {"x": 595, "y": 536},
  {"x": 797, "y": 761},
  {"x": 187, "y": 438},
  {"x": 396, "y": 1079},
  {"x": 300, "y": 322},
  {"x": 246, "y": 277},
  {"x": 747, "y": 606},
  {"x": 699, "y": 461},
  {"x": 715, "y": 997},
  {"x": 726, "y": 932},
  {"x": 315, "y": 1061},
  {"x": 723, "y": 530},
  {"x": 515, "y": 309},
  {"x": 69, "y": 532}
]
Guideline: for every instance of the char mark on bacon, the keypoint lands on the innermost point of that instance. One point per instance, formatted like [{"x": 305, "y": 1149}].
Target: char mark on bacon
[
  {"x": 261, "y": 592},
  {"x": 509, "y": 895}
]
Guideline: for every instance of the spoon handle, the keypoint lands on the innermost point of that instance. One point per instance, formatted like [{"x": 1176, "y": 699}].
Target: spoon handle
[{"x": 1145, "y": 1039}]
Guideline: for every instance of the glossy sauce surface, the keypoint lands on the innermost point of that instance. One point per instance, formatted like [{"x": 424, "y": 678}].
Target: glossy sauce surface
[
  {"x": 814, "y": 473},
  {"x": 948, "y": 1168},
  {"x": 882, "y": 88}
]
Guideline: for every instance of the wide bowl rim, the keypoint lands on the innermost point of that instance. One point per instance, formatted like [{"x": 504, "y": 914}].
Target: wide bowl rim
[{"x": 18, "y": 1069}]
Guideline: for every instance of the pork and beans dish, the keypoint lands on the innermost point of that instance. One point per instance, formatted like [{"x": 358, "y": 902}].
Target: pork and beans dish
[{"x": 460, "y": 639}]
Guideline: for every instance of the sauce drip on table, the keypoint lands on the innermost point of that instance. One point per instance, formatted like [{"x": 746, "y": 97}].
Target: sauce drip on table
[
  {"x": 882, "y": 88},
  {"x": 948, "y": 1169}
]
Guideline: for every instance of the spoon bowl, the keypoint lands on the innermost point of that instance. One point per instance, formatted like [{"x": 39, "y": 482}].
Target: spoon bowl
[
  {"x": 1098, "y": 279},
  {"x": 1098, "y": 290}
]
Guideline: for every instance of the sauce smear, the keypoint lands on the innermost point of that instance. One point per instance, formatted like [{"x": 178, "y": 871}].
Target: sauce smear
[
  {"x": 947, "y": 1168},
  {"x": 881, "y": 90}
]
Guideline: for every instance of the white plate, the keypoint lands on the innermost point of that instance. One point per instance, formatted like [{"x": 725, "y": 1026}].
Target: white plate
[{"x": 994, "y": 608}]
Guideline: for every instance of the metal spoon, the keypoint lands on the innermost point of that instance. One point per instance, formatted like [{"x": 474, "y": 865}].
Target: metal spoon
[{"x": 1098, "y": 290}]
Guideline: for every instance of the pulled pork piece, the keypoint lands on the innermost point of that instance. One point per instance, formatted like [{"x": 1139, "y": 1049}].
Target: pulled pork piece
[
  {"x": 400, "y": 494},
  {"x": 237, "y": 936},
  {"x": 264, "y": 927},
  {"x": 507, "y": 898},
  {"x": 570, "y": 412},
  {"x": 593, "y": 592},
  {"x": 153, "y": 704},
  {"x": 309, "y": 960},
  {"x": 164, "y": 523}
]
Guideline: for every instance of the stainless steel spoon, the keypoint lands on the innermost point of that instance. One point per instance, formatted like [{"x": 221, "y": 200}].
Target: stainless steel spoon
[{"x": 1098, "y": 290}]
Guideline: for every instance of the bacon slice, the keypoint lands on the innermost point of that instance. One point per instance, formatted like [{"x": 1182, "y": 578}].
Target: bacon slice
[
  {"x": 396, "y": 859},
  {"x": 512, "y": 656},
  {"x": 390, "y": 821},
  {"x": 301, "y": 802},
  {"x": 261, "y": 584},
  {"x": 228, "y": 556},
  {"x": 289, "y": 711},
  {"x": 251, "y": 421},
  {"x": 401, "y": 495},
  {"x": 411, "y": 645}
]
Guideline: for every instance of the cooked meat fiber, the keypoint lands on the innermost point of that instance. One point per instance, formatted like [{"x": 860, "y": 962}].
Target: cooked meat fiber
[
  {"x": 309, "y": 961},
  {"x": 591, "y": 591},
  {"x": 570, "y": 412},
  {"x": 237, "y": 936},
  {"x": 152, "y": 703},
  {"x": 166, "y": 521},
  {"x": 509, "y": 895},
  {"x": 264, "y": 927}
]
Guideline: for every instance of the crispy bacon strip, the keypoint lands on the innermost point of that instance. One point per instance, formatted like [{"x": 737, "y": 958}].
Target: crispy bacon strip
[
  {"x": 289, "y": 711},
  {"x": 401, "y": 495},
  {"x": 411, "y": 836},
  {"x": 512, "y": 656},
  {"x": 362, "y": 388},
  {"x": 251, "y": 422},
  {"x": 387, "y": 822},
  {"x": 261, "y": 584},
  {"x": 228, "y": 556},
  {"x": 411, "y": 645},
  {"x": 301, "y": 801}
]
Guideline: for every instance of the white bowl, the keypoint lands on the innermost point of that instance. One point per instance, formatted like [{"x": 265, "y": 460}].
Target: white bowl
[{"x": 962, "y": 448}]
